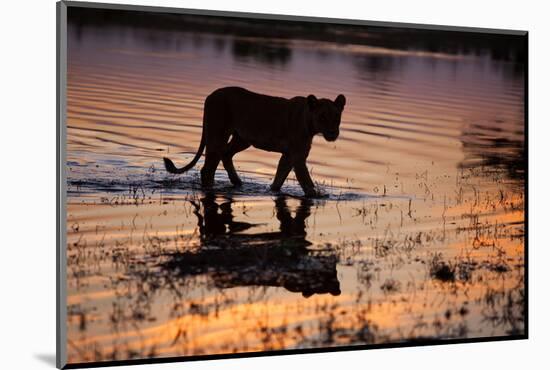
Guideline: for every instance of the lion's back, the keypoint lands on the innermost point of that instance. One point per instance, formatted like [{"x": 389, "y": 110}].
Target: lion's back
[{"x": 266, "y": 122}]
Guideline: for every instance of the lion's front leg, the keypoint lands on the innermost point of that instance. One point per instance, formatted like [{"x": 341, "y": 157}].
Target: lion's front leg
[
  {"x": 283, "y": 169},
  {"x": 303, "y": 177}
]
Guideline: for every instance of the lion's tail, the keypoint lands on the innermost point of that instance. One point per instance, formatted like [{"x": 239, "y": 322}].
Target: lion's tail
[{"x": 170, "y": 167}]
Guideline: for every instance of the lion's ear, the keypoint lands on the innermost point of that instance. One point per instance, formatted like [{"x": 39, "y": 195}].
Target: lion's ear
[
  {"x": 340, "y": 101},
  {"x": 311, "y": 101}
]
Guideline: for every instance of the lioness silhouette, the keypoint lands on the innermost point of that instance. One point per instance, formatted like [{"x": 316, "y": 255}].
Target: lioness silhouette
[{"x": 275, "y": 124}]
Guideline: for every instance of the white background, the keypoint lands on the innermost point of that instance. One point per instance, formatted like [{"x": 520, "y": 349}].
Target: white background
[{"x": 27, "y": 181}]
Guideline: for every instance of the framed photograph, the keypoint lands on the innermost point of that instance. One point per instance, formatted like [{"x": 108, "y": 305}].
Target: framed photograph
[{"x": 234, "y": 184}]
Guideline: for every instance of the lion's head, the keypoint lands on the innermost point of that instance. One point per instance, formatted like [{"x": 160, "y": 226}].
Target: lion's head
[{"x": 326, "y": 115}]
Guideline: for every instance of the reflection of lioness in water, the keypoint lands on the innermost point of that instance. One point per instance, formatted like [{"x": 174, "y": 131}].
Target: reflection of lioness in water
[{"x": 270, "y": 123}]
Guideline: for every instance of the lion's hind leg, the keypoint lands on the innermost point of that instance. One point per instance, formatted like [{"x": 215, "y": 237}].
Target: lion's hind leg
[
  {"x": 236, "y": 145},
  {"x": 215, "y": 147},
  {"x": 209, "y": 169}
]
